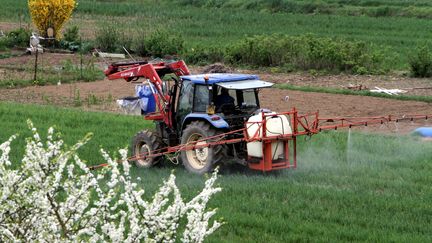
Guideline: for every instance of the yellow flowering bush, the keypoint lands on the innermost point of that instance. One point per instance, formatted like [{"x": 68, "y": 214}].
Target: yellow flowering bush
[{"x": 50, "y": 14}]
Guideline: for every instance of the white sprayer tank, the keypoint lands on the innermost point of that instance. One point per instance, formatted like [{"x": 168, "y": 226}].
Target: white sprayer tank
[{"x": 275, "y": 125}]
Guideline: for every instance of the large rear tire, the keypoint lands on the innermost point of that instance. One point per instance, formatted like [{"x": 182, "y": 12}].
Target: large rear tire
[
  {"x": 201, "y": 160},
  {"x": 145, "y": 142}
]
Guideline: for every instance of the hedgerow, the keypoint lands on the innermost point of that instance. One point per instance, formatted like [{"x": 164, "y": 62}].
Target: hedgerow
[
  {"x": 15, "y": 38},
  {"x": 156, "y": 44},
  {"x": 421, "y": 61},
  {"x": 305, "y": 53}
]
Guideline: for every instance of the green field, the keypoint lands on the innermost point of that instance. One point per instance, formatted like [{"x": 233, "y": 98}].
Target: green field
[
  {"x": 211, "y": 26},
  {"x": 347, "y": 187},
  {"x": 368, "y": 188}
]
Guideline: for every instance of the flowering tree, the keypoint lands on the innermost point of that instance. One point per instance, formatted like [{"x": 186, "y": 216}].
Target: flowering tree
[
  {"x": 53, "y": 197},
  {"x": 50, "y": 14}
]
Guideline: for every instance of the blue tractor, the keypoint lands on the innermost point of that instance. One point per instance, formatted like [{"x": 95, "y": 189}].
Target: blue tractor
[{"x": 191, "y": 108}]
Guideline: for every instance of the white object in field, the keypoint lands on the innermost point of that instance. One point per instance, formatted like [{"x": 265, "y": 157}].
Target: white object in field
[
  {"x": 388, "y": 91},
  {"x": 130, "y": 107},
  {"x": 277, "y": 125},
  {"x": 34, "y": 44},
  {"x": 32, "y": 50},
  {"x": 34, "y": 40},
  {"x": 111, "y": 55}
]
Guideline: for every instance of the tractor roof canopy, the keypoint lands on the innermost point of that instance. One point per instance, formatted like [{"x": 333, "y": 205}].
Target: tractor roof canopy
[
  {"x": 219, "y": 77},
  {"x": 249, "y": 84}
]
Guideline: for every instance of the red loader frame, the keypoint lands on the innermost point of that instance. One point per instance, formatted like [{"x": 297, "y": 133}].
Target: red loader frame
[{"x": 131, "y": 71}]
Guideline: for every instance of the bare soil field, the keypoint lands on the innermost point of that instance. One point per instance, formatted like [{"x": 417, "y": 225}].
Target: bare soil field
[
  {"x": 105, "y": 92},
  {"x": 413, "y": 86},
  {"x": 8, "y": 26}
]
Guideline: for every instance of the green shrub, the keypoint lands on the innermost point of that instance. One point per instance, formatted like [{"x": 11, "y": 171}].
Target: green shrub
[
  {"x": 421, "y": 62},
  {"x": 72, "y": 34},
  {"x": 139, "y": 44},
  {"x": 107, "y": 38},
  {"x": 71, "y": 39},
  {"x": 384, "y": 11},
  {"x": 87, "y": 46},
  {"x": 15, "y": 38},
  {"x": 159, "y": 44},
  {"x": 5, "y": 55},
  {"x": 305, "y": 53},
  {"x": 275, "y": 5},
  {"x": 19, "y": 37},
  {"x": 202, "y": 56},
  {"x": 126, "y": 40},
  {"x": 4, "y": 43}
]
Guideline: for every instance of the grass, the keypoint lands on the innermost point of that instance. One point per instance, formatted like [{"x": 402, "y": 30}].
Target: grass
[
  {"x": 419, "y": 9},
  {"x": 427, "y": 99},
  {"x": 208, "y": 26},
  {"x": 77, "y": 124},
  {"x": 370, "y": 188}
]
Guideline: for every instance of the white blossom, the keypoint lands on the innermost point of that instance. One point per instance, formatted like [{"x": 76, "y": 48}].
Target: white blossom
[{"x": 53, "y": 197}]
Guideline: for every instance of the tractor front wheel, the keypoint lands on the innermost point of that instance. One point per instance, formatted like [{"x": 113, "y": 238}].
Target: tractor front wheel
[
  {"x": 145, "y": 142},
  {"x": 200, "y": 160}
]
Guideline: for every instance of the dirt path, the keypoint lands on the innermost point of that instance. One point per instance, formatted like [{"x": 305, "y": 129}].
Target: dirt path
[
  {"x": 341, "y": 105},
  {"x": 341, "y": 81}
]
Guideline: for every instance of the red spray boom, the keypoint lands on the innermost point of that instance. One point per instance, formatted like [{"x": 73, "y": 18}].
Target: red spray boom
[{"x": 301, "y": 125}]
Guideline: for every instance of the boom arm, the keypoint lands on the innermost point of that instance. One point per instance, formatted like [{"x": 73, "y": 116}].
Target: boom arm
[
  {"x": 335, "y": 123},
  {"x": 302, "y": 125},
  {"x": 130, "y": 71},
  {"x": 311, "y": 123}
]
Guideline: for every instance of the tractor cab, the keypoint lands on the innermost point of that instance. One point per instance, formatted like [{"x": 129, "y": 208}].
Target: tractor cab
[{"x": 226, "y": 101}]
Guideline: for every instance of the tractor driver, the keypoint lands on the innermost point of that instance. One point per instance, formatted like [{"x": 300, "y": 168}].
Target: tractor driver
[{"x": 223, "y": 98}]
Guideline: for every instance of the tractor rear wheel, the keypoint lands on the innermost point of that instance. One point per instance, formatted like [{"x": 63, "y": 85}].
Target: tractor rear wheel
[
  {"x": 201, "y": 160},
  {"x": 145, "y": 142}
]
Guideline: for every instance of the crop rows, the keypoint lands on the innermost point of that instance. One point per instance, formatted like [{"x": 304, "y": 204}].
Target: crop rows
[{"x": 201, "y": 26}]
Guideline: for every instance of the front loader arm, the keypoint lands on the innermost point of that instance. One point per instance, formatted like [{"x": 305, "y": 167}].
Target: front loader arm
[{"x": 152, "y": 72}]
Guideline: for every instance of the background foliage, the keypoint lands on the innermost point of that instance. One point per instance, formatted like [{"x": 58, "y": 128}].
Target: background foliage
[{"x": 209, "y": 26}]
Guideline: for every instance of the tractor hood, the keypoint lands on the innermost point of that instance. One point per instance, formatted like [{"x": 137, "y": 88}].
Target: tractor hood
[{"x": 219, "y": 77}]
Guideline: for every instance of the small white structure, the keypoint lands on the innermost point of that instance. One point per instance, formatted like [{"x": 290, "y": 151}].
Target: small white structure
[
  {"x": 34, "y": 44},
  {"x": 388, "y": 91}
]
